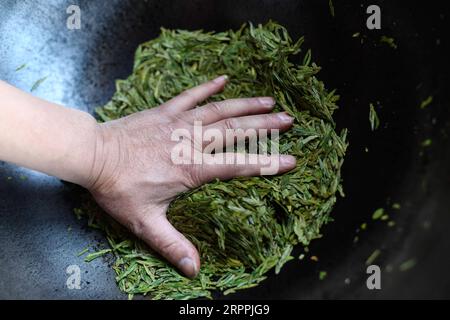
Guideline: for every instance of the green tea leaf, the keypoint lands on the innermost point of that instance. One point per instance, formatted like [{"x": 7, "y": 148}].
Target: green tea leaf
[
  {"x": 21, "y": 67},
  {"x": 427, "y": 143},
  {"x": 331, "y": 5},
  {"x": 243, "y": 227},
  {"x": 371, "y": 259},
  {"x": 407, "y": 265},
  {"x": 378, "y": 214},
  {"x": 425, "y": 103},
  {"x": 373, "y": 118},
  {"x": 95, "y": 255},
  {"x": 389, "y": 41},
  {"x": 38, "y": 83}
]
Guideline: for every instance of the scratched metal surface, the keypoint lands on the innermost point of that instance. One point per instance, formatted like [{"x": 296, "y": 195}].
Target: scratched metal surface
[{"x": 40, "y": 237}]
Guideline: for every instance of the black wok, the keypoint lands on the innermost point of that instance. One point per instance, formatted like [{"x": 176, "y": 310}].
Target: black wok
[{"x": 40, "y": 237}]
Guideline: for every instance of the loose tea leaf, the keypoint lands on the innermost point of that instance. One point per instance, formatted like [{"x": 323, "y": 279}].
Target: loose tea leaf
[
  {"x": 95, "y": 255},
  {"x": 427, "y": 143},
  {"x": 82, "y": 252},
  {"x": 21, "y": 67},
  {"x": 378, "y": 214},
  {"x": 331, "y": 5},
  {"x": 407, "y": 265},
  {"x": 38, "y": 83},
  {"x": 371, "y": 259},
  {"x": 373, "y": 118},
  {"x": 425, "y": 103},
  {"x": 243, "y": 227},
  {"x": 396, "y": 206},
  {"x": 389, "y": 41}
]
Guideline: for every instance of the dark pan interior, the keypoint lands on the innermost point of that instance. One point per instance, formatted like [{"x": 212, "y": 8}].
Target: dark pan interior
[{"x": 40, "y": 237}]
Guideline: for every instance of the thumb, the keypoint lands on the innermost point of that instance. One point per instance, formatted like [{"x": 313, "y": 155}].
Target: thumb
[{"x": 162, "y": 237}]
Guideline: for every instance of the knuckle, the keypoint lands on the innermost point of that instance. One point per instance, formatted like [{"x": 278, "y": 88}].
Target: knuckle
[
  {"x": 137, "y": 226},
  {"x": 177, "y": 122},
  {"x": 195, "y": 176},
  {"x": 167, "y": 249},
  {"x": 270, "y": 120},
  {"x": 255, "y": 101},
  {"x": 215, "y": 108},
  {"x": 196, "y": 115},
  {"x": 230, "y": 124}
]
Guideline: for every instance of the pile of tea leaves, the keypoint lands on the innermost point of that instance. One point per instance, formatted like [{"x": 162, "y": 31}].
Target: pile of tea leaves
[{"x": 246, "y": 226}]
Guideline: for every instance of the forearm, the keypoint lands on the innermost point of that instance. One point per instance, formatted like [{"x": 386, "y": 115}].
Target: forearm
[{"x": 45, "y": 136}]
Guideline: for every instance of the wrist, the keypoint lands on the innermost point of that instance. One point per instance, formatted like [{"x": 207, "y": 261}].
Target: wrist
[
  {"x": 47, "y": 137},
  {"x": 103, "y": 167},
  {"x": 80, "y": 154}
]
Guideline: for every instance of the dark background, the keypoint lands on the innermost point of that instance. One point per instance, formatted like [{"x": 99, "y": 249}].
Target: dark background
[{"x": 40, "y": 236}]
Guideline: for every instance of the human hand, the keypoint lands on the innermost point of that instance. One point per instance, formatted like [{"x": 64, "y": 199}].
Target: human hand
[{"x": 134, "y": 178}]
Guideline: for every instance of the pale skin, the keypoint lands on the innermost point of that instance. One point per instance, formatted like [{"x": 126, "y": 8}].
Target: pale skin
[{"x": 126, "y": 163}]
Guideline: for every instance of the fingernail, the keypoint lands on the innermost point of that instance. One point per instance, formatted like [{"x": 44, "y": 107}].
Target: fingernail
[
  {"x": 268, "y": 101},
  {"x": 288, "y": 160},
  {"x": 284, "y": 117},
  {"x": 188, "y": 266},
  {"x": 221, "y": 79}
]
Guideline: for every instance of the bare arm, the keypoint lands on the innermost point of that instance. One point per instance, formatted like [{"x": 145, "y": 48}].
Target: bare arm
[{"x": 47, "y": 137}]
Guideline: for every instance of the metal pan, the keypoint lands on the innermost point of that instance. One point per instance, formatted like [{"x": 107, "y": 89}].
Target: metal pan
[{"x": 40, "y": 237}]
